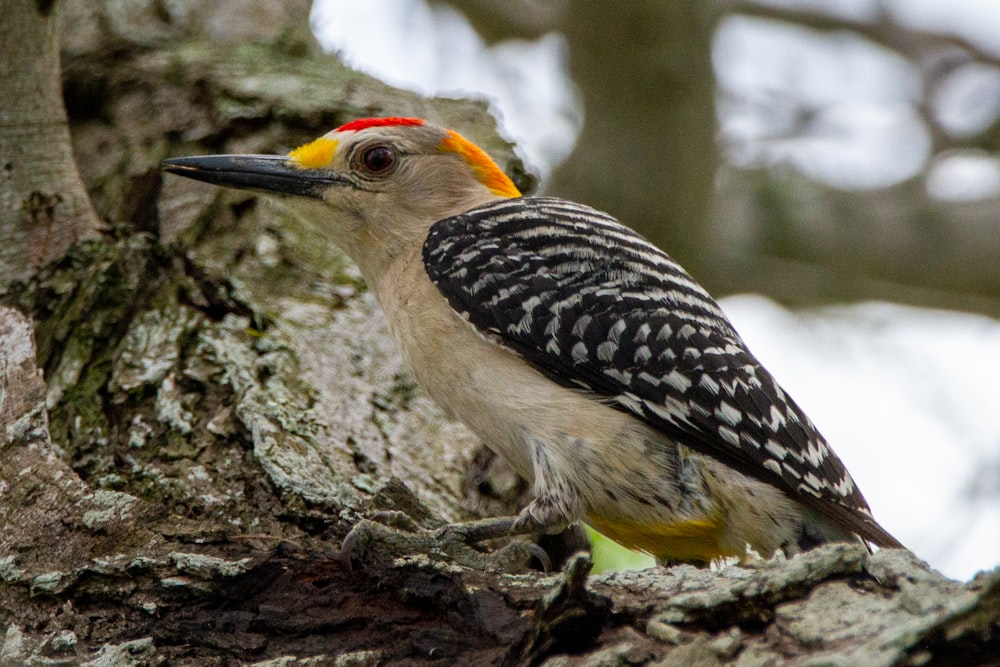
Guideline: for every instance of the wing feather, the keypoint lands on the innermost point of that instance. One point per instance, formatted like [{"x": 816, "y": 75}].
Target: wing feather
[{"x": 594, "y": 306}]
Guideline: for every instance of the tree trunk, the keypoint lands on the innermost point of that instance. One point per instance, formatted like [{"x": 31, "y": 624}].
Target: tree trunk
[
  {"x": 200, "y": 404},
  {"x": 44, "y": 207},
  {"x": 647, "y": 153}
]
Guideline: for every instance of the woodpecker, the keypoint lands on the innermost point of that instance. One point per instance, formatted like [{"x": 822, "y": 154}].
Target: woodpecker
[{"x": 574, "y": 348}]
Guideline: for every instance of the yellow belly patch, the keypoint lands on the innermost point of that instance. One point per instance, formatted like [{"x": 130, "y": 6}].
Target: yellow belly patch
[{"x": 691, "y": 540}]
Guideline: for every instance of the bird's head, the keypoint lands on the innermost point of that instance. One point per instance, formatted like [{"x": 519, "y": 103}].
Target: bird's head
[{"x": 373, "y": 186}]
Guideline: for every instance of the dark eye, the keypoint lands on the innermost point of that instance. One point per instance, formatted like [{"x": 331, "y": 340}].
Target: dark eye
[{"x": 378, "y": 159}]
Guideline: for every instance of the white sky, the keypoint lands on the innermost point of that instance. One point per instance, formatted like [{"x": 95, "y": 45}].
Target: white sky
[
  {"x": 909, "y": 398},
  {"x": 868, "y": 131}
]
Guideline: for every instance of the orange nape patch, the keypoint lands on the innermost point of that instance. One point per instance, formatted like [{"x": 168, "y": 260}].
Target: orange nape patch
[
  {"x": 318, "y": 153},
  {"x": 690, "y": 541},
  {"x": 485, "y": 169}
]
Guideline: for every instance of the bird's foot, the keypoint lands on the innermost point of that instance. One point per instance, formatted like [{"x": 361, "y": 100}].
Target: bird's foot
[
  {"x": 542, "y": 515},
  {"x": 391, "y": 537}
]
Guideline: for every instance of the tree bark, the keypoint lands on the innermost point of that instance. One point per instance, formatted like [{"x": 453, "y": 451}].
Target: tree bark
[{"x": 199, "y": 405}]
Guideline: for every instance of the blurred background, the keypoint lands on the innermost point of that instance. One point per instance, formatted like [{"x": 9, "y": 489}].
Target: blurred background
[{"x": 831, "y": 170}]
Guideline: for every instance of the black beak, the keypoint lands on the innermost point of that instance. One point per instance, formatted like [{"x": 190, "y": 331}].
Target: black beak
[{"x": 273, "y": 174}]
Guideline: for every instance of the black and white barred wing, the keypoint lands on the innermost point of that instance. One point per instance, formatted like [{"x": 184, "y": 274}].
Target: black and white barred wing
[{"x": 594, "y": 306}]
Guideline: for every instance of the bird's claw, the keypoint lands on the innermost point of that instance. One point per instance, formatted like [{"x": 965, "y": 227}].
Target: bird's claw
[
  {"x": 387, "y": 535},
  {"x": 389, "y": 518}
]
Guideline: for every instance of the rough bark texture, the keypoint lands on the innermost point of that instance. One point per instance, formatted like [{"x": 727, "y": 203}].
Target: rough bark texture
[{"x": 198, "y": 406}]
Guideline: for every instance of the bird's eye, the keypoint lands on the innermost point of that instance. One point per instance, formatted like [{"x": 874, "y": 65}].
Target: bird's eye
[{"x": 378, "y": 159}]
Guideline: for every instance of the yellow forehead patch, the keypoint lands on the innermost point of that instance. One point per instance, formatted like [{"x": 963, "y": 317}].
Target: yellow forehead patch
[
  {"x": 318, "y": 153},
  {"x": 485, "y": 169}
]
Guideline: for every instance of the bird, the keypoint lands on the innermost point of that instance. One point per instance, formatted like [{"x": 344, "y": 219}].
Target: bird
[{"x": 574, "y": 348}]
